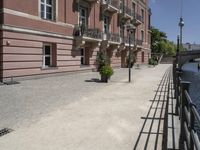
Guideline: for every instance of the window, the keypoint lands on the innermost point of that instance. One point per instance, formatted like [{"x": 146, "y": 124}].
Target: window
[
  {"x": 142, "y": 36},
  {"x": 47, "y": 9},
  {"x": 142, "y": 11},
  {"x": 82, "y": 56},
  {"x": 83, "y": 16},
  {"x": 133, "y": 8},
  {"x": 47, "y": 55},
  {"x": 106, "y": 24}
]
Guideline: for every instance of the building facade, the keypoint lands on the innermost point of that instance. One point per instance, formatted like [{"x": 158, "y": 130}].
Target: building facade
[{"x": 40, "y": 37}]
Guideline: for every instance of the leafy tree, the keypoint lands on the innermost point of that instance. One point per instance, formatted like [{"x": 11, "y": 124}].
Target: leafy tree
[{"x": 160, "y": 43}]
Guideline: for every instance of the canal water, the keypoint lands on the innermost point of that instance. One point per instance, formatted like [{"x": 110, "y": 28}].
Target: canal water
[{"x": 191, "y": 73}]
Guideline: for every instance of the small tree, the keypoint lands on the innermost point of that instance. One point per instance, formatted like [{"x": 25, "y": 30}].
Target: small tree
[{"x": 102, "y": 60}]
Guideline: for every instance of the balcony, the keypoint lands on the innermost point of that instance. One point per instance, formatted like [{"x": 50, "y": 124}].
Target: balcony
[
  {"x": 139, "y": 42},
  {"x": 125, "y": 12},
  {"x": 111, "y": 37},
  {"x": 125, "y": 40},
  {"x": 110, "y": 5},
  {"x": 89, "y": 1},
  {"x": 128, "y": 12},
  {"x": 137, "y": 19},
  {"x": 83, "y": 34}
]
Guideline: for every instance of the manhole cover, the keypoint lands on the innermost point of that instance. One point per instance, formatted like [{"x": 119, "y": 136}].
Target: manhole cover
[{"x": 5, "y": 131}]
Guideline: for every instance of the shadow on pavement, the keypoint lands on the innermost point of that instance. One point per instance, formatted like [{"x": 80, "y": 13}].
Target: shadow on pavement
[{"x": 154, "y": 131}]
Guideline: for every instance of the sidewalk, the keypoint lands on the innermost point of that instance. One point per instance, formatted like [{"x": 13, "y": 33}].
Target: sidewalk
[{"x": 78, "y": 114}]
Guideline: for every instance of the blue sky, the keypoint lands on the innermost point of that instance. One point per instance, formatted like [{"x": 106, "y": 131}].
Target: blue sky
[{"x": 166, "y": 14}]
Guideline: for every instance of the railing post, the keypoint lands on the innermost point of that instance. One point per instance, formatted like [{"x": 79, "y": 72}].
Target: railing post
[
  {"x": 184, "y": 87},
  {"x": 192, "y": 118},
  {"x": 178, "y": 90}
]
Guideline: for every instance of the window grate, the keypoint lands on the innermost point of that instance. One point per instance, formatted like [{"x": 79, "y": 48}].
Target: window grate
[{"x": 5, "y": 131}]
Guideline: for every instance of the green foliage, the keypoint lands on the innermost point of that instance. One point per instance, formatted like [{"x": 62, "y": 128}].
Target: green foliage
[
  {"x": 153, "y": 61},
  {"x": 102, "y": 60},
  {"x": 160, "y": 44},
  {"x": 106, "y": 71}
]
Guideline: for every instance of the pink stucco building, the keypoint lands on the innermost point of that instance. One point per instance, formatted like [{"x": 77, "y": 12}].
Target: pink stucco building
[{"x": 40, "y": 37}]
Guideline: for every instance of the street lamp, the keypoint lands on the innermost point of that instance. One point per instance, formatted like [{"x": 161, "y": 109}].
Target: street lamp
[
  {"x": 181, "y": 24},
  {"x": 130, "y": 29}
]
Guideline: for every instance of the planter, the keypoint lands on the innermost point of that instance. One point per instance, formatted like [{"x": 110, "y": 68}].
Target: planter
[{"x": 104, "y": 78}]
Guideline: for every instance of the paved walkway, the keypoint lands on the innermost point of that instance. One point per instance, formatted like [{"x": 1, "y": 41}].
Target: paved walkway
[{"x": 74, "y": 112}]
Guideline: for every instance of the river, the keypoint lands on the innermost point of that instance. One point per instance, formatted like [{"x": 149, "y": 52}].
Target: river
[{"x": 192, "y": 74}]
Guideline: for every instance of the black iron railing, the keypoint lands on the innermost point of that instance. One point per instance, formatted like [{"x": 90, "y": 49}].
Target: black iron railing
[
  {"x": 186, "y": 109},
  {"x": 139, "y": 42},
  {"x": 84, "y": 31},
  {"x": 114, "y": 3},
  {"x": 128, "y": 11},
  {"x": 126, "y": 40},
  {"x": 93, "y": 33},
  {"x": 113, "y": 37},
  {"x": 139, "y": 17}
]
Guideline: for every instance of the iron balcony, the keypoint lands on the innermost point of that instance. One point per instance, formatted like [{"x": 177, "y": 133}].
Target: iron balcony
[{"x": 110, "y": 5}]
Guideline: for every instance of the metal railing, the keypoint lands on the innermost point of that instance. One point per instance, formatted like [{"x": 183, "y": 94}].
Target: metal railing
[
  {"x": 139, "y": 42},
  {"x": 113, "y": 37},
  {"x": 186, "y": 109},
  {"x": 139, "y": 17},
  {"x": 114, "y": 3},
  {"x": 128, "y": 11},
  {"x": 82, "y": 30}
]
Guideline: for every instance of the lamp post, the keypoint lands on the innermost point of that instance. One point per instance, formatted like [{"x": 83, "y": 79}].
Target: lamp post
[
  {"x": 181, "y": 24},
  {"x": 130, "y": 29}
]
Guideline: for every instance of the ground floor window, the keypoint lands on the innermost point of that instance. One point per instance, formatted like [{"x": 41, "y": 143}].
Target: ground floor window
[
  {"x": 85, "y": 56},
  {"x": 82, "y": 56},
  {"x": 47, "y": 55},
  {"x": 142, "y": 57}
]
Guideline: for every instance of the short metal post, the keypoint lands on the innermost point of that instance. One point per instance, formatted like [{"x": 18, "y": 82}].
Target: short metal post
[{"x": 184, "y": 87}]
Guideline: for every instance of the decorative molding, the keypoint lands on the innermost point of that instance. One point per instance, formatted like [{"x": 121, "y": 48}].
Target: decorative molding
[{"x": 29, "y": 31}]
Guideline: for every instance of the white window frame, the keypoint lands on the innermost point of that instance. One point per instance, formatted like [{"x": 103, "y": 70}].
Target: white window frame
[
  {"x": 45, "y": 9},
  {"x": 44, "y": 55}
]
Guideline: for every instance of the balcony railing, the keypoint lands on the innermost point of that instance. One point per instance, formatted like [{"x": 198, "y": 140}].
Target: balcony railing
[
  {"x": 139, "y": 17},
  {"x": 83, "y": 31},
  {"x": 137, "y": 42},
  {"x": 113, "y": 37},
  {"x": 113, "y": 3},
  {"x": 128, "y": 11}
]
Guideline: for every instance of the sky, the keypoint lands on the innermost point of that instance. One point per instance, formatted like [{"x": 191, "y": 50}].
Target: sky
[{"x": 166, "y": 15}]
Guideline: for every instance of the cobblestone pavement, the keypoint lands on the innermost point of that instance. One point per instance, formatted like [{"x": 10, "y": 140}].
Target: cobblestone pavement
[
  {"x": 21, "y": 104},
  {"x": 75, "y": 113}
]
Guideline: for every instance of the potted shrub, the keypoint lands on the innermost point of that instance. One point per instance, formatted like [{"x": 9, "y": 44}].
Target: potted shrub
[
  {"x": 102, "y": 60},
  {"x": 106, "y": 72}
]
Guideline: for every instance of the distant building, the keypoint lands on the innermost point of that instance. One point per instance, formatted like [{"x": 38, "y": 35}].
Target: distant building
[
  {"x": 190, "y": 47},
  {"x": 40, "y": 37}
]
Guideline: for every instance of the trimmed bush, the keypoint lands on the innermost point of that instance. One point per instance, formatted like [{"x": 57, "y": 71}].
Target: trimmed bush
[{"x": 106, "y": 71}]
